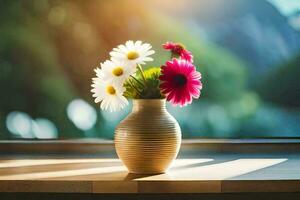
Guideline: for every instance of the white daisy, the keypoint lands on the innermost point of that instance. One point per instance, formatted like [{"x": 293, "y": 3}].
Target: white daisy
[
  {"x": 110, "y": 95},
  {"x": 115, "y": 72},
  {"x": 133, "y": 53}
]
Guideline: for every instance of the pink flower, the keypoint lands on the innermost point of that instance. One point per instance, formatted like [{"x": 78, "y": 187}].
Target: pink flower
[
  {"x": 180, "y": 82},
  {"x": 179, "y": 50}
]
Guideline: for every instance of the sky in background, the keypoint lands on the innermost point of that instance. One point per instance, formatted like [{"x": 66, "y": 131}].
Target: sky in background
[{"x": 287, "y": 7}]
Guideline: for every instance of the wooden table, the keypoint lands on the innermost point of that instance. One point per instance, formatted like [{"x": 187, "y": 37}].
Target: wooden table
[
  {"x": 212, "y": 173},
  {"x": 194, "y": 175}
]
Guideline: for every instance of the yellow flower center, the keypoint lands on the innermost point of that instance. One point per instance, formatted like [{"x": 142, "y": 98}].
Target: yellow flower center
[
  {"x": 118, "y": 71},
  {"x": 131, "y": 55},
  {"x": 110, "y": 90}
]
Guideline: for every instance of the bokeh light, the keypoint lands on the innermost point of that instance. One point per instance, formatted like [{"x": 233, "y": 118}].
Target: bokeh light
[
  {"x": 44, "y": 129},
  {"x": 19, "y": 124},
  {"x": 57, "y": 15},
  {"x": 82, "y": 114}
]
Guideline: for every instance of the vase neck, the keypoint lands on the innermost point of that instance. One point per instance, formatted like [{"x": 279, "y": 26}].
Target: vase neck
[{"x": 149, "y": 105}]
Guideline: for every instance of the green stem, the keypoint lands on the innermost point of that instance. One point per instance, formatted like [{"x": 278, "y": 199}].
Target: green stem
[
  {"x": 137, "y": 80},
  {"x": 134, "y": 87},
  {"x": 142, "y": 74}
]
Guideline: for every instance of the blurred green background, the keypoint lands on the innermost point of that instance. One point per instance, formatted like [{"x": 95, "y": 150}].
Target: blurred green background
[{"x": 247, "y": 51}]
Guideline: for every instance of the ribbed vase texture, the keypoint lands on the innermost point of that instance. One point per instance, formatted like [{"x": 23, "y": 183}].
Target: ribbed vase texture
[{"x": 149, "y": 138}]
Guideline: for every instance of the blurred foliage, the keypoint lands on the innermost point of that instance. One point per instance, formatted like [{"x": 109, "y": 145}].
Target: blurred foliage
[
  {"x": 282, "y": 86},
  {"x": 49, "y": 48},
  {"x": 223, "y": 74},
  {"x": 31, "y": 76}
]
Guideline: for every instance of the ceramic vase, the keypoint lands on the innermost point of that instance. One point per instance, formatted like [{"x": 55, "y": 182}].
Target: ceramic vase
[{"x": 149, "y": 138}]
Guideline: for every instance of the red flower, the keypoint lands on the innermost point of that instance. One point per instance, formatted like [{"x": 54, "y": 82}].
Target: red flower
[
  {"x": 179, "y": 50},
  {"x": 180, "y": 82}
]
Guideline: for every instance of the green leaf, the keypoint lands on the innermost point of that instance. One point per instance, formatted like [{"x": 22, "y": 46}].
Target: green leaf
[{"x": 151, "y": 90}]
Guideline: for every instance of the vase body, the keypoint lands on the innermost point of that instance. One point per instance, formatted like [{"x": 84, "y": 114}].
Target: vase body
[{"x": 149, "y": 138}]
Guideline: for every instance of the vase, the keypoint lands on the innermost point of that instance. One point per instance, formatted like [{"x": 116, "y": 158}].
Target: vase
[{"x": 149, "y": 138}]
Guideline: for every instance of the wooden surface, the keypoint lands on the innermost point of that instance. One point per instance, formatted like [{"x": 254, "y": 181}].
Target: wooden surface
[
  {"x": 105, "y": 148},
  {"x": 220, "y": 173}
]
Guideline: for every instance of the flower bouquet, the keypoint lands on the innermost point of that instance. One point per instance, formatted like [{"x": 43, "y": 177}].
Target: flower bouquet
[{"x": 149, "y": 138}]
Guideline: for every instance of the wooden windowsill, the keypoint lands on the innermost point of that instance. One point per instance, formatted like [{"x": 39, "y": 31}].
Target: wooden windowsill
[{"x": 100, "y": 146}]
